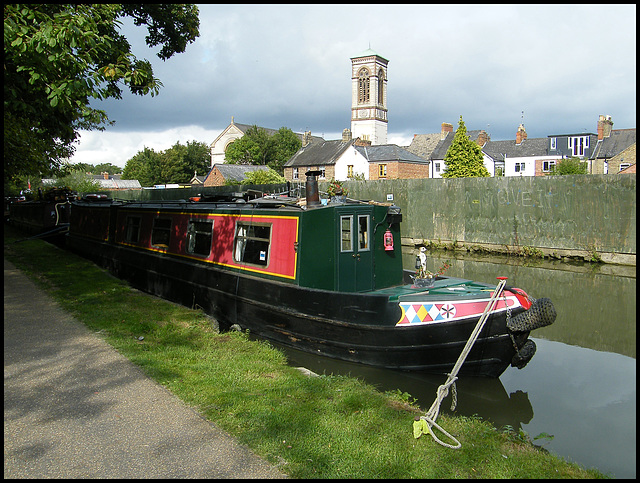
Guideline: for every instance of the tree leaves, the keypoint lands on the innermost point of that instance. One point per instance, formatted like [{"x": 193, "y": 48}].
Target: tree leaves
[
  {"x": 60, "y": 56},
  {"x": 464, "y": 157}
]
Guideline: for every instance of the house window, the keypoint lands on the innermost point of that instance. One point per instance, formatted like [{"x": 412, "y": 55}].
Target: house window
[
  {"x": 552, "y": 143},
  {"x": 161, "y": 232},
  {"x": 520, "y": 167},
  {"x": 437, "y": 167},
  {"x": 199, "y": 236},
  {"x": 132, "y": 229},
  {"x": 252, "y": 243},
  {"x": 578, "y": 144},
  {"x": 548, "y": 166},
  {"x": 363, "y": 86},
  {"x": 350, "y": 171},
  {"x": 624, "y": 166},
  {"x": 382, "y": 170},
  {"x": 294, "y": 174},
  {"x": 323, "y": 173}
]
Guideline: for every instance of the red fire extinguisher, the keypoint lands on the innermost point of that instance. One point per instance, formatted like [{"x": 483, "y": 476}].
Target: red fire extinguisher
[{"x": 388, "y": 241}]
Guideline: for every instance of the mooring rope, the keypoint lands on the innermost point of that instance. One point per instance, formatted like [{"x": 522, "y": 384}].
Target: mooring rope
[{"x": 443, "y": 390}]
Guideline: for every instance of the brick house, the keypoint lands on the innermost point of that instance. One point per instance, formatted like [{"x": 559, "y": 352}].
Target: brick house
[
  {"x": 615, "y": 149},
  {"x": 347, "y": 158},
  {"x": 219, "y": 174}
]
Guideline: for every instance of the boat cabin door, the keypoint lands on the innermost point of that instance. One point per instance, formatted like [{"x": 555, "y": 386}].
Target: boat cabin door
[{"x": 354, "y": 257}]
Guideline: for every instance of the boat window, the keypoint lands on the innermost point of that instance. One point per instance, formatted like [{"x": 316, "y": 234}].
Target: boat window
[
  {"x": 346, "y": 238},
  {"x": 161, "y": 232},
  {"x": 199, "y": 235},
  {"x": 363, "y": 232},
  {"x": 252, "y": 243},
  {"x": 132, "y": 229}
]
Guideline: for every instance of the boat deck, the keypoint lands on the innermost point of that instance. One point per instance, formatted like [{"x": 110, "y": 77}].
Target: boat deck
[{"x": 444, "y": 286}]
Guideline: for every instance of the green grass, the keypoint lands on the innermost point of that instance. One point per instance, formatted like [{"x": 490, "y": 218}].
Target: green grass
[{"x": 310, "y": 427}]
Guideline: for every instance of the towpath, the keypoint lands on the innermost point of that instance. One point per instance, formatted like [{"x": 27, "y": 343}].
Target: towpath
[{"x": 76, "y": 408}]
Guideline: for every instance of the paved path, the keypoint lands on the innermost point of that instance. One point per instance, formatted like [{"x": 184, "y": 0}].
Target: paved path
[{"x": 76, "y": 408}]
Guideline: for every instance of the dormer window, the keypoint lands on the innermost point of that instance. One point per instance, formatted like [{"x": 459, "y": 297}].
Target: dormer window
[
  {"x": 552, "y": 143},
  {"x": 578, "y": 144}
]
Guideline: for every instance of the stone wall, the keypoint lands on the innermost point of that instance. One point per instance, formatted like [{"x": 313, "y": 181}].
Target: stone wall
[{"x": 558, "y": 215}]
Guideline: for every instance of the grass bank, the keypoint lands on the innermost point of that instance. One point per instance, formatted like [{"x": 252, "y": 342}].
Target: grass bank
[{"x": 310, "y": 427}]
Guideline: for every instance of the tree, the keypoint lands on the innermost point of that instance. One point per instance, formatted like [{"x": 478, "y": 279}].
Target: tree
[
  {"x": 60, "y": 56},
  {"x": 285, "y": 144},
  {"x": 139, "y": 166},
  {"x": 252, "y": 148},
  {"x": 464, "y": 157},
  {"x": 77, "y": 180},
  {"x": 263, "y": 176},
  {"x": 174, "y": 165},
  {"x": 569, "y": 166},
  {"x": 257, "y": 147}
]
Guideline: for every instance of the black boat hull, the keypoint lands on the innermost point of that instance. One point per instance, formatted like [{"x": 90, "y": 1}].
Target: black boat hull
[{"x": 316, "y": 321}]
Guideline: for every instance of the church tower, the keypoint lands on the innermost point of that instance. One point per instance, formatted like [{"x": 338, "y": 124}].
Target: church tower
[{"x": 369, "y": 97}]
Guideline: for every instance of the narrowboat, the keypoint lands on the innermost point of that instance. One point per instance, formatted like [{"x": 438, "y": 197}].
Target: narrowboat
[
  {"x": 325, "y": 278},
  {"x": 48, "y": 215}
]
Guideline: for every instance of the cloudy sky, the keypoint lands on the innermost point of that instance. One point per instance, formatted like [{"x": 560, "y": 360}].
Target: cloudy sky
[{"x": 555, "y": 67}]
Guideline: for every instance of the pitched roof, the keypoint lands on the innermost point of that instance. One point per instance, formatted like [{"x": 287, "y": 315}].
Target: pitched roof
[
  {"x": 618, "y": 141},
  {"x": 424, "y": 144},
  {"x": 319, "y": 154},
  {"x": 237, "y": 172},
  {"x": 498, "y": 150},
  {"x": 245, "y": 127},
  {"x": 368, "y": 53},
  {"x": 443, "y": 146},
  {"x": 389, "y": 152}
]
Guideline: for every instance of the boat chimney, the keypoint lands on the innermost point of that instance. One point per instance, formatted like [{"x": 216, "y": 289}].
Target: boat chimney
[{"x": 313, "y": 195}]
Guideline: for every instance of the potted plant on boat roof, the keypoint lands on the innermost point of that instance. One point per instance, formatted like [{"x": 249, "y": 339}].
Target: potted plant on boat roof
[
  {"x": 425, "y": 278},
  {"x": 337, "y": 191}
]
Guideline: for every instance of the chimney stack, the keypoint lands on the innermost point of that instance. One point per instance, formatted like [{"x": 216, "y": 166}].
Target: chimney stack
[
  {"x": 605, "y": 124},
  {"x": 105, "y": 175},
  {"x": 446, "y": 128},
  {"x": 346, "y": 135},
  {"x": 483, "y": 138},
  {"x": 521, "y": 134},
  {"x": 306, "y": 139}
]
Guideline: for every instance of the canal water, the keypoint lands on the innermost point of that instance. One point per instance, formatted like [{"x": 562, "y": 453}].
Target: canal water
[{"x": 580, "y": 387}]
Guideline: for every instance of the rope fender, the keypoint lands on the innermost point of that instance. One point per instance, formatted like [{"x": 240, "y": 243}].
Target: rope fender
[{"x": 540, "y": 314}]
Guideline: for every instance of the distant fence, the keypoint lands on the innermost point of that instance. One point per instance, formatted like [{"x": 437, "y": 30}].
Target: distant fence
[{"x": 575, "y": 212}]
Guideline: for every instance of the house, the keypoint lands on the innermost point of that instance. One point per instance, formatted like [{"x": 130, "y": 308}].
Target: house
[
  {"x": 615, "y": 150},
  {"x": 197, "y": 180},
  {"x": 390, "y": 161},
  {"x": 522, "y": 156},
  {"x": 235, "y": 131},
  {"x": 220, "y": 174},
  {"x": 353, "y": 158},
  {"x": 331, "y": 158}
]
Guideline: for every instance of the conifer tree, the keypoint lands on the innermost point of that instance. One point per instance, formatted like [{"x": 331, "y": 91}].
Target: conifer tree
[{"x": 464, "y": 157}]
